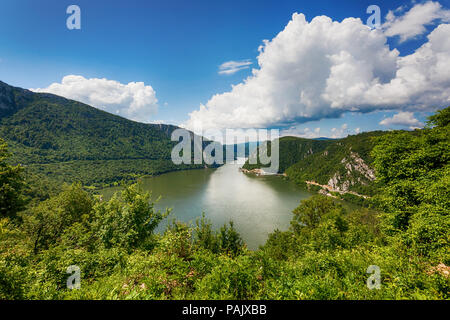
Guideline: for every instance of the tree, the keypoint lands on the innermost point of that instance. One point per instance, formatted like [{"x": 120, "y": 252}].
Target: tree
[
  {"x": 48, "y": 221},
  {"x": 230, "y": 240},
  {"x": 128, "y": 219},
  {"x": 204, "y": 235},
  {"x": 441, "y": 118},
  {"x": 414, "y": 174},
  {"x": 227, "y": 240},
  {"x": 11, "y": 185},
  {"x": 311, "y": 211}
]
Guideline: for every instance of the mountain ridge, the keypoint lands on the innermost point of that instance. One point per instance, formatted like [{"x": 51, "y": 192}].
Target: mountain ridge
[
  {"x": 337, "y": 165},
  {"x": 55, "y": 136}
]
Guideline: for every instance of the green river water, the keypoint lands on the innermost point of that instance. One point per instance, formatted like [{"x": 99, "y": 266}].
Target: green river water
[{"x": 257, "y": 204}]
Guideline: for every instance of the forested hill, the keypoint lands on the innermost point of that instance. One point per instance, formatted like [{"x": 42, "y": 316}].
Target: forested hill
[
  {"x": 291, "y": 150},
  {"x": 71, "y": 141},
  {"x": 341, "y": 165},
  {"x": 345, "y": 165},
  {"x": 50, "y": 128}
]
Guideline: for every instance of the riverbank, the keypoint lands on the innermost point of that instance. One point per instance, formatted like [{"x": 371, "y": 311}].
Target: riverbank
[
  {"x": 326, "y": 188},
  {"x": 261, "y": 172}
]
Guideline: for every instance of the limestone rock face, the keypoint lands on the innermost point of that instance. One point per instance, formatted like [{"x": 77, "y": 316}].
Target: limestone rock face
[
  {"x": 360, "y": 166},
  {"x": 339, "y": 184},
  {"x": 356, "y": 171}
]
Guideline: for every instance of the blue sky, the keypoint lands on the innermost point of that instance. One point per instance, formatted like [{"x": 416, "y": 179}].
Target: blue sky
[{"x": 176, "y": 47}]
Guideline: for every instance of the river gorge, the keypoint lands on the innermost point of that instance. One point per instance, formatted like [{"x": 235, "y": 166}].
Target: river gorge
[{"x": 256, "y": 204}]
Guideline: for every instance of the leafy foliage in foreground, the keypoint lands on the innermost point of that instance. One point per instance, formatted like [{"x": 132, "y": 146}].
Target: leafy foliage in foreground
[
  {"x": 11, "y": 185},
  {"x": 324, "y": 254},
  {"x": 414, "y": 171}
]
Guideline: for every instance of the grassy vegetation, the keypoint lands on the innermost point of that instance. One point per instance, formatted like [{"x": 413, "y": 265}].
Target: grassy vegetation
[{"x": 324, "y": 254}]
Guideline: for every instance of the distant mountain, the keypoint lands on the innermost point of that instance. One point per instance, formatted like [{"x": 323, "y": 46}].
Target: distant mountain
[
  {"x": 70, "y": 141},
  {"x": 324, "y": 138},
  {"x": 336, "y": 164}
]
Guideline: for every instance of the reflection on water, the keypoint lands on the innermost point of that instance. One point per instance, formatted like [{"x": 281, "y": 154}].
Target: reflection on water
[{"x": 257, "y": 205}]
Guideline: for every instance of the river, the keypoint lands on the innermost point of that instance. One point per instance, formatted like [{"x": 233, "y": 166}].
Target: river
[{"x": 257, "y": 204}]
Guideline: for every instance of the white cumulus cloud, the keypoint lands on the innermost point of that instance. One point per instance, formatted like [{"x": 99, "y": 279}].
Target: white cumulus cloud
[
  {"x": 324, "y": 68},
  {"x": 339, "y": 132},
  {"x": 303, "y": 133},
  {"x": 231, "y": 67},
  {"x": 135, "y": 100},
  {"x": 413, "y": 22},
  {"x": 405, "y": 119}
]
